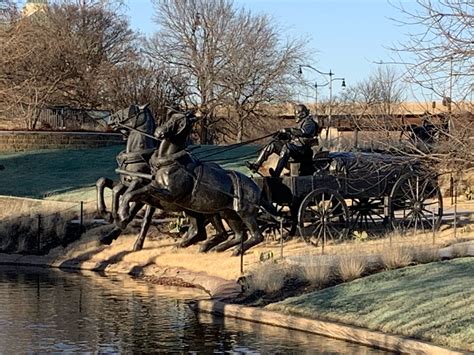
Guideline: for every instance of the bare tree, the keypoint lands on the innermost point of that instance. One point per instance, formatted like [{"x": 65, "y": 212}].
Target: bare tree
[
  {"x": 62, "y": 55},
  {"x": 141, "y": 82},
  {"x": 439, "y": 51},
  {"x": 230, "y": 58},
  {"x": 381, "y": 93},
  {"x": 260, "y": 67},
  {"x": 439, "y": 56},
  {"x": 190, "y": 39}
]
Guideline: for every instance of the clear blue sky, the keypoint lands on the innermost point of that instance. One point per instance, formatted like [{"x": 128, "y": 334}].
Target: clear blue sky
[{"x": 346, "y": 36}]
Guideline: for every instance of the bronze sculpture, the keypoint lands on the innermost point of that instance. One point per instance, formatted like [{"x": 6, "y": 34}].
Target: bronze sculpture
[
  {"x": 293, "y": 142},
  {"x": 137, "y": 124},
  {"x": 203, "y": 188}
]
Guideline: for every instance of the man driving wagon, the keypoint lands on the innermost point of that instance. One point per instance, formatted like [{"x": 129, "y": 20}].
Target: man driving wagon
[{"x": 295, "y": 142}]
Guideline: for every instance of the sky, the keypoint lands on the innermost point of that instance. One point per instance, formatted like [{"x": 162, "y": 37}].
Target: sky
[{"x": 345, "y": 36}]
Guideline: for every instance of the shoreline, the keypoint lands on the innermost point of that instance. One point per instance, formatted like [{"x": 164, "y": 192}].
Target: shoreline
[{"x": 222, "y": 292}]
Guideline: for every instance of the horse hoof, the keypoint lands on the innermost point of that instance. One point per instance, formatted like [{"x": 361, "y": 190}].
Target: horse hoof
[
  {"x": 213, "y": 242},
  {"x": 137, "y": 247},
  {"x": 192, "y": 240},
  {"x": 108, "y": 217},
  {"x": 107, "y": 240},
  {"x": 204, "y": 248},
  {"x": 236, "y": 252}
]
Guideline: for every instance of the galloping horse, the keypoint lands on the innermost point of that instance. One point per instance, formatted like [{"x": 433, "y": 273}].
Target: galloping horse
[
  {"x": 134, "y": 158},
  {"x": 138, "y": 124},
  {"x": 204, "y": 188}
]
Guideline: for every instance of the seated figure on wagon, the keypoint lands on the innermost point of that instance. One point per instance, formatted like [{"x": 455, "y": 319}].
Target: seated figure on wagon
[{"x": 293, "y": 142}]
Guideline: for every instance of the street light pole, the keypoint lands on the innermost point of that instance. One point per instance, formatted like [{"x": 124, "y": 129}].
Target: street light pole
[{"x": 330, "y": 102}]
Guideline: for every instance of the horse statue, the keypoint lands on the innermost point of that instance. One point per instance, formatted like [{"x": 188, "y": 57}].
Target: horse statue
[
  {"x": 206, "y": 188},
  {"x": 137, "y": 124}
]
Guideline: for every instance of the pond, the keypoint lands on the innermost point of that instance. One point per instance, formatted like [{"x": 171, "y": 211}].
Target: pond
[{"x": 45, "y": 310}]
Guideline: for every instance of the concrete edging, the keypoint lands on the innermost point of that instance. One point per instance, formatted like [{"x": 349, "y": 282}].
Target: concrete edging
[{"x": 320, "y": 327}]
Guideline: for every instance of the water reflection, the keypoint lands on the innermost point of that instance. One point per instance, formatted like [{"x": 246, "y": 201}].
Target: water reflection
[{"x": 45, "y": 310}]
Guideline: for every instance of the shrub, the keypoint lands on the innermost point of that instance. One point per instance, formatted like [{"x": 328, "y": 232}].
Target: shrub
[
  {"x": 396, "y": 256},
  {"x": 315, "y": 270},
  {"x": 268, "y": 277},
  {"x": 460, "y": 250},
  {"x": 350, "y": 266},
  {"x": 425, "y": 254}
]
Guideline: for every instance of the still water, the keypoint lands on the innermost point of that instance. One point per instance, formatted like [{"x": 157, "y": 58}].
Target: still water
[{"x": 45, "y": 310}]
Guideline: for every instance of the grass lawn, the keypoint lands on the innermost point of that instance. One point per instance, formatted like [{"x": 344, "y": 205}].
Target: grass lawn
[
  {"x": 41, "y": 173},
  {"x": 432, "y": 302}
]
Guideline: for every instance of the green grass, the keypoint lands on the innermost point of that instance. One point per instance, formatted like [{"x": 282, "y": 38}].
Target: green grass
[
  {"x": 42, "y": 173},
  {"x": 432, "y": 302}
]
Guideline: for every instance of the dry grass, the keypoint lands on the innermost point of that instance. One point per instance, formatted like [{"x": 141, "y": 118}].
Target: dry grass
[
  {"x": 14, "y": 207},
  {"x": 315, "y": 270},
  {"x": 460, "y": 250},
  {"x": 19, "y": 224},
  {"x": 269, "y": 278},
  {"x": 396, "y": 256},
  {"x": 423, "y": 254},
  {"x": 351, "y": 267}
]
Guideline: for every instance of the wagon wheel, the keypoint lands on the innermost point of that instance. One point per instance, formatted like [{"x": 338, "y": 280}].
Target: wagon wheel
[
  {"x": 367, "y": 213},
  {"x": 416, "y": 203},
  {"x": 269, "y": 225},
  {"x": 323, "y": 216}
]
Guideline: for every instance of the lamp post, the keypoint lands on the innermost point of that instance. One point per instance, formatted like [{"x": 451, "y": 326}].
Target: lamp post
[{"x": 329, "y": 82}]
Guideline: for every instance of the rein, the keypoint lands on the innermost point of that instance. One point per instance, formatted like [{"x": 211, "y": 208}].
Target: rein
[
  {"x": 138, "y": 131},
  {"x": 234, "y": 146}
]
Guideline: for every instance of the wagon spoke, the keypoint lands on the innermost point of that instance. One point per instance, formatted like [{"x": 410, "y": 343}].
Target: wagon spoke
[
  {"x": 317, "y": 211},
  {"x": 425, "y": 185},
  {"x": 317, "y": 241},
  {"x": 431, "y": 203},
  {"x": 336, "y": 206},
  {"x": 372, "y": 218},
  {"x": 331, "y": 234},
  {"x": 430, "y": 212},
  {"x": 410, "y": 221},
  {"x": 431, "y": 192},
  {"x": 357, "y": 218},
  {"x": 411, "y": 189},
  {"x": 430, "y": 223},
  {"x": 337, "y": 215},
  {"x": 378, "y": 215},
  {"x": 318, "y": 227},
  {"x": 409, "y": 214}
]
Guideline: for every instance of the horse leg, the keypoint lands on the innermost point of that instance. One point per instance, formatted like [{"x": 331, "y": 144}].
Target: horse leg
[
  {"x": 235, "y": 223},
  {"x": 197, "y": 232},
  {"x": 221, "y": 234},
  {"x": 115, "y": 233},
  {"x": 101, "y": 185},
  {"x": 144, "y": 228},
  {"x": 256, "y": 235},
  {"x": 130, "y": 196},
  {"x": 117, "y": 192}
]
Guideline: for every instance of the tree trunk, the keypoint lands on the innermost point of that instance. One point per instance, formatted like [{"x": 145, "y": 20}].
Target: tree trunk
[{"x": 203, "y": 131}]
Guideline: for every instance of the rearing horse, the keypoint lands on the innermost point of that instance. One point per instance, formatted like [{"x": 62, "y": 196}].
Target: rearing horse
[
  {"x": 134, "y": 158},
  {"x": 138, "y": 124},
  {"x": 204, "y": 188}
]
